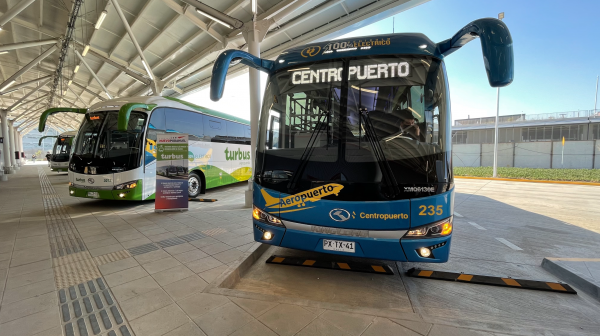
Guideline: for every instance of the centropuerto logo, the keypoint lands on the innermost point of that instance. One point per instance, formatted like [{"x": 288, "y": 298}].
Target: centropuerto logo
[
  {"x": 339, "y": 215},
  {"x": 310, "y": 51}
]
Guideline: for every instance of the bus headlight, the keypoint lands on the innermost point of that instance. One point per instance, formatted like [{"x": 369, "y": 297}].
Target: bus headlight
[
  {"x": 264, "y": 217},
  {"x": 437, "y": 229},
  {"x": 128, "y": 185}
]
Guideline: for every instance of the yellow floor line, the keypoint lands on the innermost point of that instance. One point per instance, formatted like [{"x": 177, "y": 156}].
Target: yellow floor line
[{"x": 525, "y": 180}]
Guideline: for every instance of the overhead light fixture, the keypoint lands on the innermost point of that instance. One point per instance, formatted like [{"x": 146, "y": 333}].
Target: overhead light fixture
[
  {"x": 76, "y": 68},
  {"x": 70, "y": 82},
  {"x": 254, "y": 6},
  {"x": 3, "y": 52},
  {"x": 148, "y": 70},
  {"x": 7, "y": 85},
  {"x": 214, "y": 18},
  {"x": 100, "y": 19},
  {"x": 85, "y": 50},
  {"x": 106, "y": 93}
]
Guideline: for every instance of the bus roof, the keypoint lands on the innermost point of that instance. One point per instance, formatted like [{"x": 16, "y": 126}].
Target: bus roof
[
  {"x": 380, "y": 45},
  {"x": 67, "y": 134},
  {"x": 113, "y": 104}
]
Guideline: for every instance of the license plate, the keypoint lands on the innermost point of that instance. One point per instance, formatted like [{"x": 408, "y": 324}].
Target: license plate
[
  {"x": 93, "y": 194},
  {"x": 338, "y": 245}
]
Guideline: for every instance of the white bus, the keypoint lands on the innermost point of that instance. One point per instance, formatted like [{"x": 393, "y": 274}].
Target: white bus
[
  {"x": 114, "y": 153},
  {"x": 58, "y": 161}
]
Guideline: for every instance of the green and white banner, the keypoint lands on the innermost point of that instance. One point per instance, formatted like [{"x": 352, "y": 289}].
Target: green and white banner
[{"x": 171, "y": 172}]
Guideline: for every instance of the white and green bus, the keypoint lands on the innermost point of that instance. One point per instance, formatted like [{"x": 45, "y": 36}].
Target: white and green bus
[
  {"x": 114, "y": 153},
  {"x": 58, "y": 161}
]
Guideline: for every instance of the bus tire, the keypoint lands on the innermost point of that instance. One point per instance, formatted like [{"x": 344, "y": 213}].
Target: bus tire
[{"x": 194, "y": 185}]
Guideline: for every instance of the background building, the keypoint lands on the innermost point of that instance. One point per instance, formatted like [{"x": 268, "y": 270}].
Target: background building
[{"x": 533, "y": 141}]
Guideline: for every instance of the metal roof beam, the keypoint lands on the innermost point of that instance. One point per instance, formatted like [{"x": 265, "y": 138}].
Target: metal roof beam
[
  {"x": 78, "y": 96},
  {"x": 20, "y": 101},
  {"x": 14, "y": 11},
  {"x": 137, "y": 46},
  {"x": 20, "y": 45},
  {"x": 26, "y": 68},
  {"x": 89, "y": 91},
  {"x": 13, "y": 88},
  {"x": 93, "y": 74}
]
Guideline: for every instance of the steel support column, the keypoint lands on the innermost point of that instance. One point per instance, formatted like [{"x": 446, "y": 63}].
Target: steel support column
[
  {"x": 11, "y": 136},
  {"x": 6, "y": 143},
  {"x": 253, "y": 34}
]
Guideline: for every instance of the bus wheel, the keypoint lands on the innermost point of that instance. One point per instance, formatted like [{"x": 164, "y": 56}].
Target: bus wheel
[{"x": 194, "y": 185}]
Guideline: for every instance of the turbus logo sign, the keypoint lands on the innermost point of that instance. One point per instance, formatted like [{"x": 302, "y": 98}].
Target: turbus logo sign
[
  {"x": 300, "y": 199},
  {"x": 91, "y": 180},
  {"x": 236, "y": 155}
]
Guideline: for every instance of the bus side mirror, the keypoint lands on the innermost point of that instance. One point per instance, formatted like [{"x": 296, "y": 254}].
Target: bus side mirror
[
  {"x": 496, "y": 46},
  {"x": 44, "y": 116},
  {"x": 232, "y": 57}
]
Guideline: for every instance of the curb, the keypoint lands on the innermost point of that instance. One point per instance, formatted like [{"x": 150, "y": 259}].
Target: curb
[
  {"x": 563, "y": 273},
  {"x": 525, "y": 180}
]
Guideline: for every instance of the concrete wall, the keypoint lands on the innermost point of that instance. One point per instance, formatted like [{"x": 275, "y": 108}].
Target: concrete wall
[
  {"x": 466, "y": 155},
  {"x": 505, "y": 155},
  {"x": 578, "y": 154},
  {"x": 597, "y": 156},
  {"x": 532, "y": 154}
]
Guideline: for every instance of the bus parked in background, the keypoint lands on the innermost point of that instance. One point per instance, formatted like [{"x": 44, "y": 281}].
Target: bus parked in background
[
  {"x": 354, "y": 142},
  {"x": 58, "y": 160},
  {"x": 114, "y": 155}
]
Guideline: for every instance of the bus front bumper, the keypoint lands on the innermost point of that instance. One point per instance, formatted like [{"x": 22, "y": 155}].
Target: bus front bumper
[
  {"x": 134, "y": 194},
  {"x": 375, "y": 248}
]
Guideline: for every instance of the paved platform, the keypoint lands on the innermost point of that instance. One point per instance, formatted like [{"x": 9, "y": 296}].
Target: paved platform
[{"x": 72, "y": 266}]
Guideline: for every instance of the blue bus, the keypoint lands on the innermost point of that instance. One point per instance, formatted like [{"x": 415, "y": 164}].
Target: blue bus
[{"x": 354, "y": 142}]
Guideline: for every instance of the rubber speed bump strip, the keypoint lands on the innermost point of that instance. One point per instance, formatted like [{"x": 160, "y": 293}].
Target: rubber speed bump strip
[
  {"x": 344, "y": 266},
  {"x": 202, "y": 199},
  {"x": 492, "y": 281}
]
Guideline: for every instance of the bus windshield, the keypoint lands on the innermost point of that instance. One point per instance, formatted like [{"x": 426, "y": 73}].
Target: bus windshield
[
  {"x": 102, "y": 149},
  {"x": 62, "y": 149},
  {"x": 378, "y": 125}
]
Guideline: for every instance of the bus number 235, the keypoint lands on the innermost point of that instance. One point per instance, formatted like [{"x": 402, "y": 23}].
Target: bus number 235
[{"x": 430, "y": 210}]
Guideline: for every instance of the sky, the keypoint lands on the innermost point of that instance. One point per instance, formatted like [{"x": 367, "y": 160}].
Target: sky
[{"x": 555, "y": 46}]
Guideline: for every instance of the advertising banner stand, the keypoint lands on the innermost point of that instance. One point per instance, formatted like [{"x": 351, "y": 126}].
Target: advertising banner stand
[{"x": 171, "y": 172}]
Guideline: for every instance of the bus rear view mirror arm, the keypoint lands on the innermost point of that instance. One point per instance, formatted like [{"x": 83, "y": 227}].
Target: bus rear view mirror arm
[
  {"x": 49, "y": 112},
  {"x": 496, "y": 46},
  {"x": 44, "y": 137},
  {"x": 125, "y": 111},
  {"x": 225, "y": 60}
]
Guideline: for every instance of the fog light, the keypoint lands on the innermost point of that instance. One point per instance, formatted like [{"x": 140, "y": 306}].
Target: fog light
[
  {"x": 122, "y": 195},
  {"x": 267, "y": 235},
  {"x": 424, "y": 252},
  {"x": 72, "y": 192}
]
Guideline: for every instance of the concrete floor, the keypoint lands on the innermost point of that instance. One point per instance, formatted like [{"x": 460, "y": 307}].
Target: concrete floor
[{"x": 73, "y": 266}]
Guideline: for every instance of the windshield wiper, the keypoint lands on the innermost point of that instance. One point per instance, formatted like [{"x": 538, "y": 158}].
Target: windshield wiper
[
  {"x": 311, "y": 143},
  {"x": 386, "y": 171},
  {"x": 307, "y": 152}
]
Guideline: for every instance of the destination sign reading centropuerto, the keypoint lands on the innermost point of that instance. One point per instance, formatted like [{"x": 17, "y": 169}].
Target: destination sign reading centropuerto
[{"x": 367, "y": 71}]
